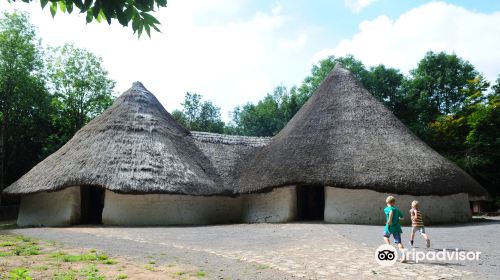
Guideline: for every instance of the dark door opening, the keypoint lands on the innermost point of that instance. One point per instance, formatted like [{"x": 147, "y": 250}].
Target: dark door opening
[
  {"x": 310, "y": 203},
  {"x": 91, "y": 204}
]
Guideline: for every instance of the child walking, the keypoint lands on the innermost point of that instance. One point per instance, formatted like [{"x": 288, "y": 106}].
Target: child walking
[
  {"x": 392, "y": 225},
  {"x": 417, "y": 224}
]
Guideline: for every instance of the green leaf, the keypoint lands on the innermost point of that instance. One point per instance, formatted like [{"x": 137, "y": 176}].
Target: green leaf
[
  {"x": 141, "y": 26},
  {"x": 149, "y": 18},
  {"x": 53, "y": 8},
  {"x": 161, "y": 3},
  {"x": 101, "y": 16},
  {"x": 156, "y": 28},
  {"x": 62, "y": 6},
  {"x": 69, "y": 7},
  {"x": 108, "y": 19},
  {"x": 135, "y": 24},
  {"x": 129, "y": 13},
  {"x": 79, "y": 5},
  {"x": 122, "y": 18},
  {"x": 148, "y": 30},
  {"x": 87, "y": 4},
  {"x": 44, "y": 3},
  {"x": 90, "y": 16}
]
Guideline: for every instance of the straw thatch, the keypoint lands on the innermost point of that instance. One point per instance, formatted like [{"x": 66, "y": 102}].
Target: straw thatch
[
  {"x": 344, "y": 137},
  {"x": 133, "y": 147},
  {"x": 226, "y": 152}
]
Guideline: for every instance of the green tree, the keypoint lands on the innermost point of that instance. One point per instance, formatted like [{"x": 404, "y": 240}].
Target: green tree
[
  {"x": 125, "y": 11},
  {"x": 319, "y": 72},
  {"x": 199, "y": 115},
  {"x": 268, "y": 116},
  {"x": 24, "y": 101},
  {"x": 385, "y": 84},
  {"x": 81, "y": 87},
  {"x": 437, "y": 88}
]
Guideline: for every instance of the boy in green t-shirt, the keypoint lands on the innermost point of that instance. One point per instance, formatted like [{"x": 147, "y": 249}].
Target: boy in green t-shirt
[{"x": 392, "y": 225}]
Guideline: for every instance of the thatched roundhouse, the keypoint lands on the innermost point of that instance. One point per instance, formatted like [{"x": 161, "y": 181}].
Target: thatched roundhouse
[
  {"x": 350, "y": 146},
  {"x": 337, "y": 160}
]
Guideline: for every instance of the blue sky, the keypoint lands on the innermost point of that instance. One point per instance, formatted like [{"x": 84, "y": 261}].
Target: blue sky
[{"x": 236, "y": 51}]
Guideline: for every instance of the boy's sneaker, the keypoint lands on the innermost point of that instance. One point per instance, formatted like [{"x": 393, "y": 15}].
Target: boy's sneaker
[
  {"x": 428, "y": 242},
  {"x": 411, "y": 243}
]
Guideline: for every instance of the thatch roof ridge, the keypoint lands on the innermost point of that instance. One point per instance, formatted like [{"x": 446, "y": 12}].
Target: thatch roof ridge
[
  {"x": 342, "y": 136},
  {"x": 135, "y": 146},
  {"x": 209, "y": 137}
]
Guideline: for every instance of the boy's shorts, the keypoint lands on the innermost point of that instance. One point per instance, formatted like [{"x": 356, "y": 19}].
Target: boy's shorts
[
  {"x": 397, "y": 236},
  {"x": 420, "y": 229}
]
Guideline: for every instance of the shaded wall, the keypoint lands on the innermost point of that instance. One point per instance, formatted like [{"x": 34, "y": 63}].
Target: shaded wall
[
  {"x": 60, "y": 208},
  {"x": 276, "y": 206},
  {"x": 167, "y": 209},
  {"x": 366, "y": 207}
]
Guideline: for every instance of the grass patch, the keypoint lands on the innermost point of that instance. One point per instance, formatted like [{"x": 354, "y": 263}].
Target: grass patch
[
  {"x": 26, "y": 250},
  {"x": 79, "y": 258},
  {"x": 90, "y": 257},
  {"x": 151, "y": 262},
  {"x": 65, "y": 275},
  {"x": 7, "y": 244},
  {"x": 149, "y": 267},
  {"x": 109, "y": 261},
  {"x": 122, "y": 276},
  {"x": 262, "y": 266},
  {"x": 40, "y": 267},
  {"x": 92, "y": 273},
  {"x": 19, "y": 273},
  {"x": 200, "y": 274}
]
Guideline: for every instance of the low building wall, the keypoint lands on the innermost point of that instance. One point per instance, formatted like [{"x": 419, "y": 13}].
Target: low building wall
[
  {"x": 276, "y": 206},
  {"x": 366, "y": 207},
  {"x": 60, "y": 208},
  {"x": 169, "y": 209}
]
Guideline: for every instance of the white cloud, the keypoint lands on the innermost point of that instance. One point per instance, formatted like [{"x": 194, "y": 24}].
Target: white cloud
[
  {"x": 357, "y": 5},
  {"x": 435, "y": 26},
  {"x": 204, "y": 48}
]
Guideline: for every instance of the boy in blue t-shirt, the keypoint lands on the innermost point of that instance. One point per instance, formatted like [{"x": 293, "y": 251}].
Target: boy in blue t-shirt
[{"x": 392, "y": 225}]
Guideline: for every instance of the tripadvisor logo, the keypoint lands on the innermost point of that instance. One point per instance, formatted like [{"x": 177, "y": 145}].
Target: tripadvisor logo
[{"x": 386, "y": 255}]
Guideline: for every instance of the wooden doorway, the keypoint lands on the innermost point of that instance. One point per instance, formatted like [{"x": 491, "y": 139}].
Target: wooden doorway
[
  {"x": 310, "y": 203},
  {"x": 91, "y": 204}
]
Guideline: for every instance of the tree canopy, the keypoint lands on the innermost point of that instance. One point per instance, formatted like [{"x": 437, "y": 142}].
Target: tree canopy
[
  {"x": 45, "y": 95},
  {"x": 80, "y": 87},
  {"x": 199, "y": 115},
  {"x": 125, "y": 11},
  {"x": 23, "y": 98}
]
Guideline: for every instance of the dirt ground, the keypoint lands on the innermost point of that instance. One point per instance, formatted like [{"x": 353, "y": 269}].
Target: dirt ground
[{"x": 27, "y": 258}]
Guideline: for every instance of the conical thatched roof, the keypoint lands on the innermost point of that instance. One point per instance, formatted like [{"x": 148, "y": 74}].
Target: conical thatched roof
[
  {"x": 135, "y": 146},
  {"x": 344, "y": 137}
]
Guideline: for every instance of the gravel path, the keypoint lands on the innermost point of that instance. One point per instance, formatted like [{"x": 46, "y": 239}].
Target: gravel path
[{"x": 285, "y": 251}]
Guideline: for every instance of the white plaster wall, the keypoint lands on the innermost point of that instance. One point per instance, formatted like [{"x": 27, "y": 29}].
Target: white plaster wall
[
  {"x": 277, "y": 206},
  {"x": 366, "y": 207},
  {"x": 59, "y": 208},
  {"x": 168, "y": 209}
]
